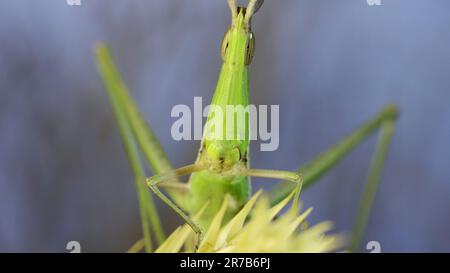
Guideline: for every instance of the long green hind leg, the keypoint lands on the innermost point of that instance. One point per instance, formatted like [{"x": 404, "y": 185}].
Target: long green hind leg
[
  {"x": 313, "y": 170},
  {"x": 372, "y": 182},
  {"x": 141, "y": 131},
  {"x": 115, "y": 88},
  {"x": 320, "y": 165},
  {"x": 136, "y": 133}
]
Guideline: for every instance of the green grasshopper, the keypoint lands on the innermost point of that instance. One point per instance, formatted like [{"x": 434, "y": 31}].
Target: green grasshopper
[{"x": 222, "y": 166}]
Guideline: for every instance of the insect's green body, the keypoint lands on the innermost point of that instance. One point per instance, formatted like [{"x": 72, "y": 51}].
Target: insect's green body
[
  {"x": 210, "y": 188},
  {"x": 219, "y": 154},
  {"x": 222, "y": 166}
]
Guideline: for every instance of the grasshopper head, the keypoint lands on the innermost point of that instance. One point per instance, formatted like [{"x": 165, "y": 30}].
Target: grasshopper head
[
  {"x": 240, "y": 37},
  {"x": 223, "y": 156}
]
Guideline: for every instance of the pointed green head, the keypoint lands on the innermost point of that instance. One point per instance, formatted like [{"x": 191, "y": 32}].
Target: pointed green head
[
  {"x": 239, "y": 43},
  {"x": 227, "y": 143}
]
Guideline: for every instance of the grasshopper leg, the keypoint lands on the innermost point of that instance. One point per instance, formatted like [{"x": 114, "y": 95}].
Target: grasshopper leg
[
  {"x": 320, "y": 165},
  {"x": 165, "y": 178},
  {"x": 371, "y": 185},
  {"x": 294, "y": 177}
]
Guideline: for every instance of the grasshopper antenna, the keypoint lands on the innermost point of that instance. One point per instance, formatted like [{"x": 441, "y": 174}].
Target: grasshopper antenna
[
  {"x": 233, "y": 8},
  {"x": 252, "y": 8}
]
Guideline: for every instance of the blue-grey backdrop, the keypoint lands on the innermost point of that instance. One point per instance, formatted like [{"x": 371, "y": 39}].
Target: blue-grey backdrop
[{"x": 329, "y": 64}]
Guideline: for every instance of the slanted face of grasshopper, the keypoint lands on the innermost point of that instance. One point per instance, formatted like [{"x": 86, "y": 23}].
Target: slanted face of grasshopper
[{"x": 222, "y": 165}]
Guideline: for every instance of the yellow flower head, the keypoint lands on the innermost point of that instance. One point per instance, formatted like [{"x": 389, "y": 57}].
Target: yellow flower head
[{"x": 257, "y": 229}]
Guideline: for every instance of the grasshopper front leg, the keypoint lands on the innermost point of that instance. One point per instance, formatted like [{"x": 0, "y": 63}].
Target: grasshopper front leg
[
  {"x": 294, "y": 177},
  {"x": 164, "y": 179}
]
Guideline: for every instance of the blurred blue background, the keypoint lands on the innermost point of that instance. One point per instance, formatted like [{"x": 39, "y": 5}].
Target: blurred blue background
[{"x": 330, "y": 65}]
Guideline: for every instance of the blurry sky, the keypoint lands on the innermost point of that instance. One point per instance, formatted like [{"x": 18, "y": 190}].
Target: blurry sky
[{"x": 329, "y": 64}]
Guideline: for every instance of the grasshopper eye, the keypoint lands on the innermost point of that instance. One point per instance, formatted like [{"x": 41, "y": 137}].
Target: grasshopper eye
[
  {"x": 225, "y": 43},
  {"x": 250, "y": 49}
]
